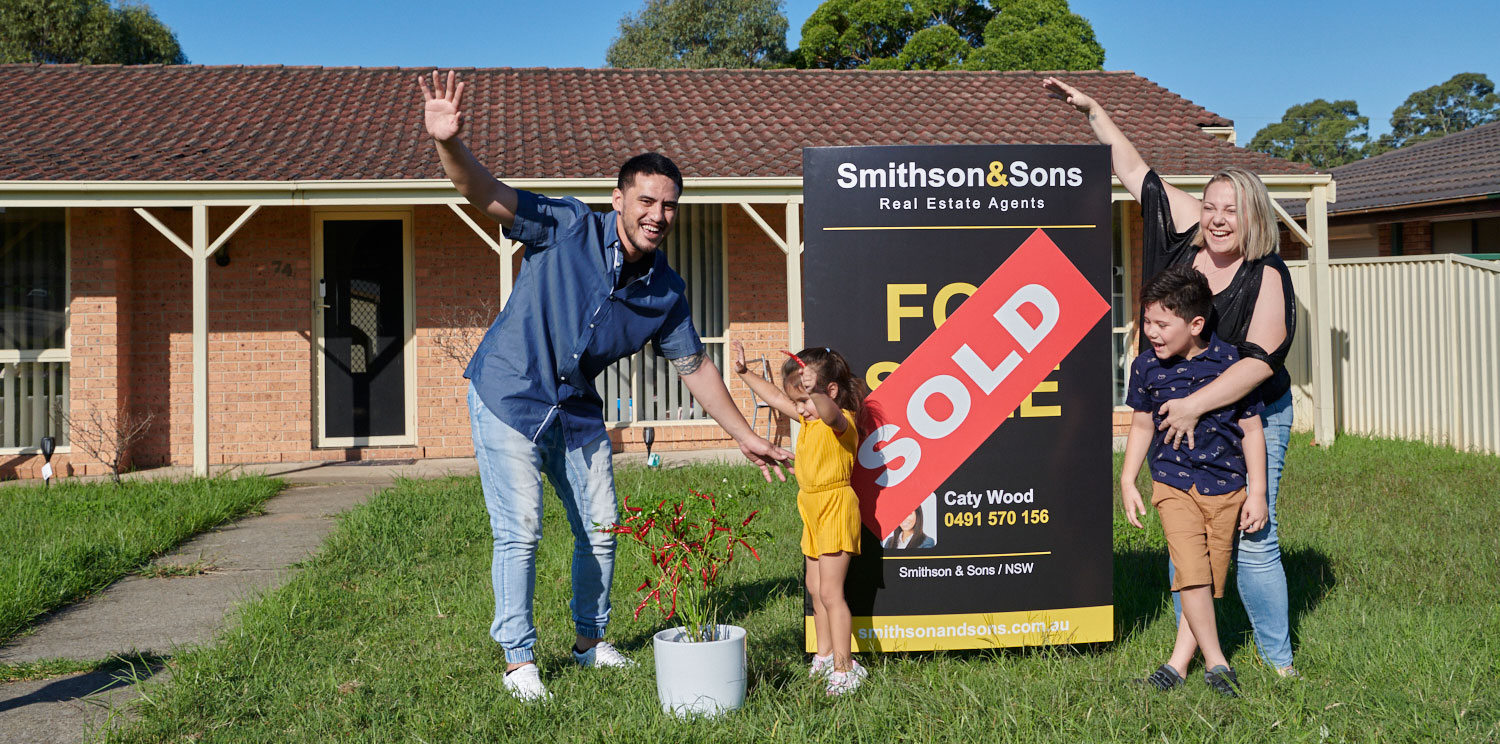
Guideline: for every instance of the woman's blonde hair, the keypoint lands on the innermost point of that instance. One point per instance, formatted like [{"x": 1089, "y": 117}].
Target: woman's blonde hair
[{"x": 1259, "y": 234}]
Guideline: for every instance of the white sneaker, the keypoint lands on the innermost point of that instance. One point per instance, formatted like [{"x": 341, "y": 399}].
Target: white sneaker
[
  {"x": 525, "y": 684},
  {"x": 822, "y": 666},
  {"x": 602, "y": 655},
  {"x": 840, "y": 683}
]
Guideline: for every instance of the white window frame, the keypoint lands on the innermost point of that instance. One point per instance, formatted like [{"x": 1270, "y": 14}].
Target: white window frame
[{"x": 64, "y": 355}]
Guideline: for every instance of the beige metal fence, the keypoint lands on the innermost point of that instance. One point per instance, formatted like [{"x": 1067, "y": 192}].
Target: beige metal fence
[{"x": 1416, "y": 349}]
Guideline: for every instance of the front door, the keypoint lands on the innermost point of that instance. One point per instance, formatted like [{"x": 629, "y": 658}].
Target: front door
[{"x": 364, "y": 321}]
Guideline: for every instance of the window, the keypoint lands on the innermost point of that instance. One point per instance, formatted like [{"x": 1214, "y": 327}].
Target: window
[
  {"x": 33, "y": 326},
  {"x": 644, "y": 387},
  {"x": 1467, "y": 236},
  {"x": 1122, "y": 319}
]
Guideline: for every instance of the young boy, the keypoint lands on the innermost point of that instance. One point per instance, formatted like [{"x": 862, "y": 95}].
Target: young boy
[{"x": 1199, "y": 493}]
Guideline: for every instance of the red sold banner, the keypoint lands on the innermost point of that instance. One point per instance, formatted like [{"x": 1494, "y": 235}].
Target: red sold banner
[{"x": 961, "y": 383}]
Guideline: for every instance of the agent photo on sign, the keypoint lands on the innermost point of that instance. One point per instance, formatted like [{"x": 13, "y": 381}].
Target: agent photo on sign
[{"x": 913, "y": 533}]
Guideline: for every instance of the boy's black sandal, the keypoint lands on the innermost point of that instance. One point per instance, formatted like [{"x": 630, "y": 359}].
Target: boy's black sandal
[
  {"x": 1223, "y": 681},
  {"x": 1164, "y": 678}
]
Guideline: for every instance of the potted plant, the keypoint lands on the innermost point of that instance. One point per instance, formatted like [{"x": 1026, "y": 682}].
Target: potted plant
[{"x": 685, "y": 544}]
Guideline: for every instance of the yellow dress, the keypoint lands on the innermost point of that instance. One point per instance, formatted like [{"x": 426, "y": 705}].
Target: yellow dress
[{"x": 829, "y": 507}]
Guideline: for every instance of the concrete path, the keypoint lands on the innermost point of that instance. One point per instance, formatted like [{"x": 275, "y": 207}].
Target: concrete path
[{"x": 159, "y": 616}]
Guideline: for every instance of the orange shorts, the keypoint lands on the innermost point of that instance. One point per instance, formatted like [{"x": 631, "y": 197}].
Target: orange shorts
[{"x": 1200, "y": 533}]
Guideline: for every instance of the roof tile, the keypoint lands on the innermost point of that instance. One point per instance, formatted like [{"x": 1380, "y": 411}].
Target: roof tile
[
  {"x": 1461, "y": 164},
  {"x": 186, "y": 123}
]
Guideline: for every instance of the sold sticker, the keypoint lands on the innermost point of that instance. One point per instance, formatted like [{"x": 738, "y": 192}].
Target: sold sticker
[{"x": 930, "y": 414}]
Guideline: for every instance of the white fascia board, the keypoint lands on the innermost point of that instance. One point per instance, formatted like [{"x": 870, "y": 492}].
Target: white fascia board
[{"x": 373, "y": 192}]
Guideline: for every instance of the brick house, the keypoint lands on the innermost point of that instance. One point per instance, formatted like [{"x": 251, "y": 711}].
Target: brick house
[
  {"x": 269, "y": 260},
  {"x": 1438, "y": 196}
]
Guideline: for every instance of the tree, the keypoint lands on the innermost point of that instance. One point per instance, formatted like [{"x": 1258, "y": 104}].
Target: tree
[
  {"x": 1037, "y": 35},
  {"x": 701, "y": 34},
  {"x": 459, "y": 327},
  {"x": 107, "y": 436},
  {"x": 949, "y": 35},
  {"x": 86, "y": 32},
  {"x": 1322, "y": 134},
  {"x": 1466, "y": 100}
]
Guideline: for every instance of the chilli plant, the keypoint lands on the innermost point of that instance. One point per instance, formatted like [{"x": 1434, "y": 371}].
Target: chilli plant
[{"x": 685, "y": 544}]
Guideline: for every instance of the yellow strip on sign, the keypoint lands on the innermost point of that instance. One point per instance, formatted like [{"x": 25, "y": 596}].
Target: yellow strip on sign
[
  {"x": 978, "y": 630},
  {"x": 966, "y": 227}
]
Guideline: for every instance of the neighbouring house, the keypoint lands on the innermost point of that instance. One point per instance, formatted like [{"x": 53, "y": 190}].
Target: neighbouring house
[
  {"x": 1438, "y": 196},
  {"x": 269, "y": 260}
]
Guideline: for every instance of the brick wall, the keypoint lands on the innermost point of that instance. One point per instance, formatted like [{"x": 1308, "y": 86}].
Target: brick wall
[
  {"x": 259, "y": 345},
  {"x": 99, "y": 335},
  {"x": 757, "y": 300},
  {"x": 1416, "y": 238},
  {"x": 132, "y": 331},
  {"x": 1291, "y": 248},
  {"x": 458, "y": 294}
]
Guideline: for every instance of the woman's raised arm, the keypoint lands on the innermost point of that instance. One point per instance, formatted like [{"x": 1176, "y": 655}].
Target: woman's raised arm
[{"x": 1129, "y": 166}]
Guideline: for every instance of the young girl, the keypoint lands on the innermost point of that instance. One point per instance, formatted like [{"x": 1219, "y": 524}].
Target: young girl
[{"x": 818, "y": 388}]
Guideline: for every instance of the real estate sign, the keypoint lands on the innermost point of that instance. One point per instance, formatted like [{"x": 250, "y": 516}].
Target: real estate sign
[{"x": 967, "y": 284}]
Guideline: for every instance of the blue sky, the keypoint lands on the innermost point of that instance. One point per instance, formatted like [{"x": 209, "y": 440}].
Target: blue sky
[{"x": 1247, "y": 61}]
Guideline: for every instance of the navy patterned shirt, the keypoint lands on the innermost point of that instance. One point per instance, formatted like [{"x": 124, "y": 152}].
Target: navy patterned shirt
[
  {"x": 1216, "y": 464},
  {"x": 565, "y": 321}
]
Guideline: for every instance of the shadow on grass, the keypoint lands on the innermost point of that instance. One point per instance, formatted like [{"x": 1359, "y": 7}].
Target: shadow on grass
[
  {"x": 1140, "y": 589},
  {"x": 1141, "y": 594},
  {"x": 742, "y": 600},
  {"x": 1309, "y": 578},
  {"x": 746, "y": 599},
  {"x": 778, "y": 661},
  {"x": 117, "y": 672}
]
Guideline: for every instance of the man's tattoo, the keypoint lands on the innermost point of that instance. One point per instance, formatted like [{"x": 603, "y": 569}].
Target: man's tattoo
[
  {"x": 1093, "y": 117},
  {"x": 689, "y": 364}
]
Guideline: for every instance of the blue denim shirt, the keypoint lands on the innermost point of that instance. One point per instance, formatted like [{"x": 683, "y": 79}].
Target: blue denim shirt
[
  {"x": 565, "y": 322},
  {"x": 1216, "y": 464}
]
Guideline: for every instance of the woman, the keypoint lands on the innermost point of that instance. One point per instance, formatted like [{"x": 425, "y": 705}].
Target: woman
[
  {"x": 1231, "y": 238},
  {"x": 909, "y": 534}
]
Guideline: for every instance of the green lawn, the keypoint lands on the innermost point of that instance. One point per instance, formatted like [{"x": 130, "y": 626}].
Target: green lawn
[
  {"x": 60, "y": 544},
  {"x": 1391, "y": 549}
]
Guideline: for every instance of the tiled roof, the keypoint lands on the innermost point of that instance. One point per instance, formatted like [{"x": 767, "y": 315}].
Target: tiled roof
[
  {"x": 1461, "y": 164},
  {"x": 192, "y": 123}
]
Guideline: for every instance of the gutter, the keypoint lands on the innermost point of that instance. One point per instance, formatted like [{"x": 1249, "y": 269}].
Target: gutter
[{"x": 1410, "y": 205}]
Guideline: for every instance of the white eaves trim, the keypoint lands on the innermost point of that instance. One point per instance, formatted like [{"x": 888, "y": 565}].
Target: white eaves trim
[
  {"x": 347, "y": 193},
  {"x": 440, "y": 191}
]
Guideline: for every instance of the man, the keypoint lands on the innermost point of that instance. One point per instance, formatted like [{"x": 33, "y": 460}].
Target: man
[{"x": 593, "y": 290}]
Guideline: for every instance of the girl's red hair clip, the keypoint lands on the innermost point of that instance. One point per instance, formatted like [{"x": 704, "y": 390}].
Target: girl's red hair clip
[{"x": 795, "y": 358}]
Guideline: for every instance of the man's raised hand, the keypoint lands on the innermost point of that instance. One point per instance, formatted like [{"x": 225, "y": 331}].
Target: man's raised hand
[
  {"x": 739, "y": 358},
  {"x": 441, "y": 113}
]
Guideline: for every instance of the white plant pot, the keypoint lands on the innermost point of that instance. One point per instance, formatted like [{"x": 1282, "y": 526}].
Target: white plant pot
[{"x": 700, "y": 679}]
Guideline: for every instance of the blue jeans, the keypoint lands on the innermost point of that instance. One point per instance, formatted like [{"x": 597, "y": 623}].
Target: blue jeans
[
  {"x": 1259, "y": 575},
  {"x": 510, "y": 471}
]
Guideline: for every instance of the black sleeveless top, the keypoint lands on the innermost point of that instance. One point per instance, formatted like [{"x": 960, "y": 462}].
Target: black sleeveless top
[{"x": 1164, "y": 248}]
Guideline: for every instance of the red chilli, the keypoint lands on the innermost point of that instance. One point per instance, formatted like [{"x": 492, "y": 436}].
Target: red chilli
[{"x": 748, "y": 547}]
